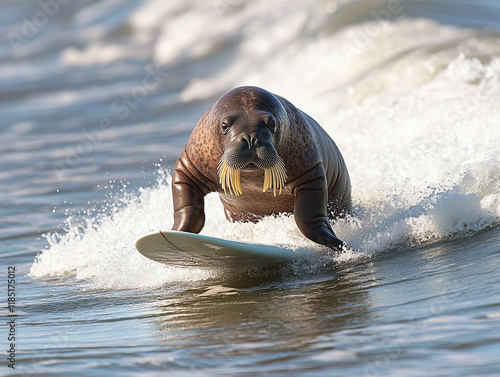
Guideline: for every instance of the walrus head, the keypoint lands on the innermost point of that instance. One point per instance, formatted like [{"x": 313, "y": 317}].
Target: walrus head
[{"x": 251, "y": 122}]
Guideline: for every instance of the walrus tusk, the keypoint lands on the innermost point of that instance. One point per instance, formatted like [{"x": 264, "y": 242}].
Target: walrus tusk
[
  {"x": 275, "y": 177},
  {"x": 230, "y": 178}
]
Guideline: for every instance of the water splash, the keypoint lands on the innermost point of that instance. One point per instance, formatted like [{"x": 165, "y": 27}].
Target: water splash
[{"x": 101, "y": 250}]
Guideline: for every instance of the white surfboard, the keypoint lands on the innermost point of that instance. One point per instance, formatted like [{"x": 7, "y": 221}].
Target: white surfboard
[{"x": 183, "y": 249}]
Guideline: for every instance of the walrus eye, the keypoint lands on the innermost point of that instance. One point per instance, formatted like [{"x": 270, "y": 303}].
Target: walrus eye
[
  {"x": 225, "y": 126},
  {"x": 272, "y": 125}
]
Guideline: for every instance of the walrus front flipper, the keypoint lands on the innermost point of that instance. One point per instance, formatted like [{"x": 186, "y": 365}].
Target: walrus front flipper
[
  {"x": 188, "y": 197},
  {"x": 311, "y": 211}
]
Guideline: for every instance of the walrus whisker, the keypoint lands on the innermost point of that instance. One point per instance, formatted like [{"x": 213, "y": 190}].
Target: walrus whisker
[
  {"x": 227, "y": 177},
  {"x": 222, "y": 175},
  {"x": 230, "y": 179},
  {"x": 229, "y": 182},
  {"x": 266, "y": 180},
  {"x": 275, "y": 177},
  {"x": 275, "y": 180},
  {"x": 235, "y": 181},
  {"x": 278, "y": 179}
]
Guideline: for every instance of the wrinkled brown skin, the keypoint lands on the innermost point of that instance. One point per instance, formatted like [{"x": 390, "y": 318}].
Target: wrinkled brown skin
[{"x": 318, "y": 185}]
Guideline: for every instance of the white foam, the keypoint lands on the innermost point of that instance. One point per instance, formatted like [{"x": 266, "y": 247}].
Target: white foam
[
  {"x": 425, "y": 165},
  {"x": 101, "y": 250}
]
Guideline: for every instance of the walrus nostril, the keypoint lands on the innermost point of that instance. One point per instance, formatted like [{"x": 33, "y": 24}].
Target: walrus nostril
[
  {"x": 246, "y": 141},
  {"x": 254, "y": 142},
  {"x": 249, "y": 140}
]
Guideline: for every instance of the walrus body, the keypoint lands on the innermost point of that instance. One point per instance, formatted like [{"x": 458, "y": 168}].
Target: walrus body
[{"x": 251, "y": 138}]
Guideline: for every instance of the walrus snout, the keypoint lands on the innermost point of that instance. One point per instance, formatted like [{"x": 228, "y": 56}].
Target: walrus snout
[
  {"x": 250, "y": 151},
  {"x": 242, "y": 152},
  {"x": 249, "y": 154}
]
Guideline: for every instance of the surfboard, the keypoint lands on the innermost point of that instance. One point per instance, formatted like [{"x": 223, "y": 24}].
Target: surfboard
[{"x": 183, "y": 249}]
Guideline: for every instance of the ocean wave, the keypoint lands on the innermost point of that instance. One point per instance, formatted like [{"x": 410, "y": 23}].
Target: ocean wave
[{"x": 411, "y": 103}]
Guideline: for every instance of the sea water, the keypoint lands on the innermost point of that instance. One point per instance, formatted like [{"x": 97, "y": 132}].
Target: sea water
[{"x": 99, "y": 99}]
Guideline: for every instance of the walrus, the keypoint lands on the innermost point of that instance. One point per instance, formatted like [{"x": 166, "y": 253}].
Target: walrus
[{"x": 263, "y": 156}]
